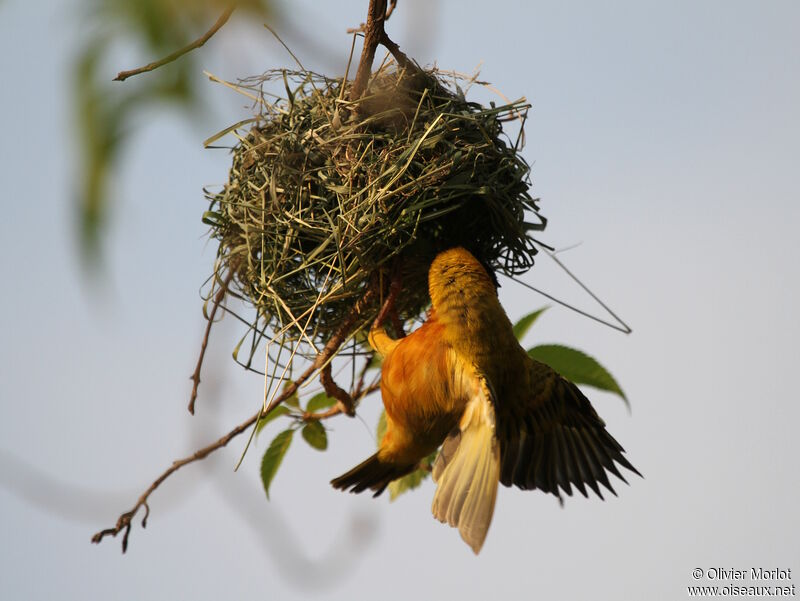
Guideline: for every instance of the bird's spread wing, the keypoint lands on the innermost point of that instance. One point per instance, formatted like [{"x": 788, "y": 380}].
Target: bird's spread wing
[
  {"x": 551, "y": 437},
  {"x": 467, "y": 471}
]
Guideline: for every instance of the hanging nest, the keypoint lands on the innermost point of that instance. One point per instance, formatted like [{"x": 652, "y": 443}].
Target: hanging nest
[{"x": 328, "y": 197}]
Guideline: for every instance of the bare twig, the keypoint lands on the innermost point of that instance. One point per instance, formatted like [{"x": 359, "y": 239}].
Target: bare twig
[
  {"x": 398, "y": 55},
  {"x": 331, "y": 387},
  {"x": 374, "y": 34},
  {"x": 390, "y": 10},
  {"x": 363, "y": 26},
  {"x": 223, "y": 18},
  {"x": 124, "y": 521},
  {"x": 195, "y": 378}
]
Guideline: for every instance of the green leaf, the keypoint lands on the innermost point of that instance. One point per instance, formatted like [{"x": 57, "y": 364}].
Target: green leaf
[
  {"x": 277, "y": 412},
  {"x": 577, "y": 367},
  {"x": 273, "y": 457},
  {"x": 294, "y": 399},
  {"x": 524, "y": 324},
  {"x": 412, "y": 480},
  {"x": 375, "y": 361},
  {"x": 207, "y": 142},
  {"x": 315, "y": 435},
  {"x": 318, "y": 402},
  {"x": 406, "y": 483},
  {"x": 381, "y": 429},
  {"x": 212, "y": 218}
]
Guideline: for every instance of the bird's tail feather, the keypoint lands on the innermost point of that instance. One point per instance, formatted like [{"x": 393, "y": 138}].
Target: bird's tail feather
[
  {"x": 467, "y": 472},
  {"x": 373, "y": 474}
]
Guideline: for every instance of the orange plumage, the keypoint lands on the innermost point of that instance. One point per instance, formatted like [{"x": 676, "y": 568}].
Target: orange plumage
[{"x": 463, "y": 382}]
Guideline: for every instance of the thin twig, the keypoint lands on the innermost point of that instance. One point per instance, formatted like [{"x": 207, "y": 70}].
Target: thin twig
[
  {"x": 124, "y": 521},
  {"x": 398, "y": 55},
  {"x": 333, "y": 390},
  {"x": 390, "y": 10},
  {"x": 223, "y": 18},
  {"x": 195, "y": 378}
]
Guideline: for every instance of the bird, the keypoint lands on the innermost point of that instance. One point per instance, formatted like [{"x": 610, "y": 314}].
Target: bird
[{"x": 461, "y": 383}]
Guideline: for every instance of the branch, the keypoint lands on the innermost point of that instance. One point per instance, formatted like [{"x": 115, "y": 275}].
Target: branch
[
  {"x": 398, "y": 55},
  {"x": 363, "y": 26},
  {"x": 196, "y": 375},
  {"x": 333, "y": 390},
  {"x": 373, "y": 32},
  {"x": 223, "y": 18},
  {"x": 390, "y": 10},
  {"x": 124, "y": 521},
  {"x": 322, "y": 359}
]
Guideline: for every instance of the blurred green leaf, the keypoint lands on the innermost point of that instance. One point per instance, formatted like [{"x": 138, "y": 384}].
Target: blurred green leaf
[
  {"x": 320, "y": 401},
  {"x": 524, "y": 324},
  {"x": 412, "y": 480},
  {"x": 375, "y": 361},
  {"x": 273, "y": 457},
  {"x": 381, "y": 429},
  {"x": 106, "y": 112},
  {"x": 315, "y": 435},
  {"x": 576, "y": 366},
  {"x": 275, "y": 413},
  {"x": 409, "y": 481},
  {"x": 294, "y": 399},
  {"x": 406, "y": 483}
]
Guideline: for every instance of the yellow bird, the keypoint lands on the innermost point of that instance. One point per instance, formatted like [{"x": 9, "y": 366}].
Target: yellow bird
[{"x": 462, "y": 381}]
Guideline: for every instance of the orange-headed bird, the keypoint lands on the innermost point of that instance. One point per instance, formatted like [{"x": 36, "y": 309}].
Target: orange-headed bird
[{"x": 462, "y": 381}]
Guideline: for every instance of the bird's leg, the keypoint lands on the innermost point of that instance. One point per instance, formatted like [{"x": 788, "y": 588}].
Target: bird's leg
[
  {"x": 397, "y": 323},
  {"x": 332, "y": 389},
  {"x": 387, "y": 310},
  {"x": 378, "y": 339}
]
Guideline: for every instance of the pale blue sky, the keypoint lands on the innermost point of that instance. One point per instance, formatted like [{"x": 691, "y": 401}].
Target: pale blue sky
[{"x": 663, "y": 137}]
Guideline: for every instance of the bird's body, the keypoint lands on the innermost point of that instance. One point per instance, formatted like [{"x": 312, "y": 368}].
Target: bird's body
[{"x": 462, "y": 381}]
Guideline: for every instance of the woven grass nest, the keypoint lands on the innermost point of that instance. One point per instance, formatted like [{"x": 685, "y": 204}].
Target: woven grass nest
[{"x": 328, "y": 197}]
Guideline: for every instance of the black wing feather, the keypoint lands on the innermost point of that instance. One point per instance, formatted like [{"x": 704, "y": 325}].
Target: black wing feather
[{"x": 557, "y": 440}]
